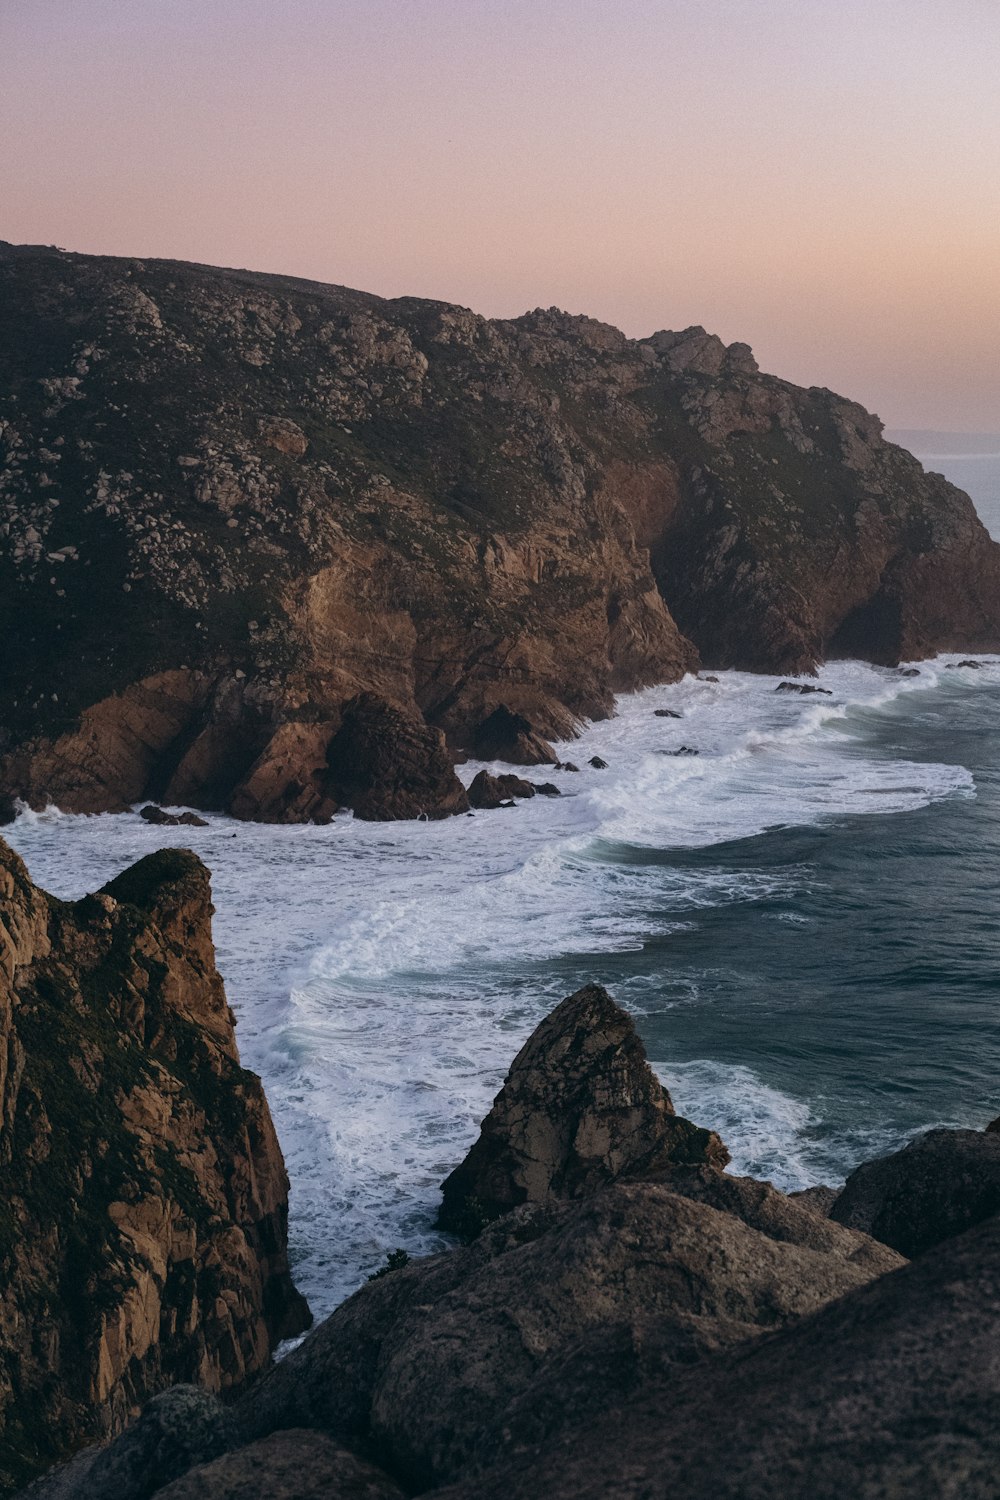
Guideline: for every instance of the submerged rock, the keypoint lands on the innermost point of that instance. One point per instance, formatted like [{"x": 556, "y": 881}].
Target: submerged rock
[
  {"x": 802, "y": 687},
  {"x": 580, "y": 1107},
  {"x": 143, "y": 1234}
]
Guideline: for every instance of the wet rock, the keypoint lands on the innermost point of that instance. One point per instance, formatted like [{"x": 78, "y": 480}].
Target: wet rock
[
  {"x": 580, "y": 1107},
  {"x": 940, "y": 1185},
  {"x": 666, "y": 713},
  {"x": 801, "y": 687},
  {"x": 547, "y": 789},
  {"x": 566, "y": 765},
  {"x": 909, "y": 671},
  {"x": 161, "y": 819},
  {"x": 683, "y": 750},
  {"x": 387, "y": 763},
  {"x": 488, "y": 791},
  {"x": 597, "y": 763},
  {"x": 509, "y": 736}
]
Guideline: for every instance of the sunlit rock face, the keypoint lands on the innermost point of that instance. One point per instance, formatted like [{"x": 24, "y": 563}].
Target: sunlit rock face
[{"x": 231, "y": 503}]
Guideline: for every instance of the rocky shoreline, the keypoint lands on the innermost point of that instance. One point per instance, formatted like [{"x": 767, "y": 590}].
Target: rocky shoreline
[
  {"x": 624, "y": 1318},
  {"x": 276, "y": 548}
]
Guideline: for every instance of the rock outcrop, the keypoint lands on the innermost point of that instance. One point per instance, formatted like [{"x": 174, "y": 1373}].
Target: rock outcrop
[
  {"x": 329, "y": 494},
  {"x": 938, "y": 1186},
  {"x": 144, "y": 1213},
  {"x": 580, "y": 1107},
  {"x": 489, "y": 791}
]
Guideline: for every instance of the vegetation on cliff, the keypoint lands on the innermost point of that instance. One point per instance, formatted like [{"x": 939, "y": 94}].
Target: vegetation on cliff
[{"x": 231, "y": 503}]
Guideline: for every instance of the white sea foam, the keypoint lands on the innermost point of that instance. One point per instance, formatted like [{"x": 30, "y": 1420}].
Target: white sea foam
[{"x": 385, "y": 975}]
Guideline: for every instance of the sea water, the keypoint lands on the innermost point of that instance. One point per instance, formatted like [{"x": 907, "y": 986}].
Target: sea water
[{"x": 802, "y": 917}]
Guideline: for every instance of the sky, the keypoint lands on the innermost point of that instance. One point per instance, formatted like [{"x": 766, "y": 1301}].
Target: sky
[{"x": 819, "y": 180}]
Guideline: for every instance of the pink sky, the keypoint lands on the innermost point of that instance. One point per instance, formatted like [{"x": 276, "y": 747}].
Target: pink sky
[{"x": 818, "y": 179}]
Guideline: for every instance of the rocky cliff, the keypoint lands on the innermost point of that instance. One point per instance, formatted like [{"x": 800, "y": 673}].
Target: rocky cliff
[
  {"x": 231, "y": 503},
  {"x": 144, "y": 1207},
  {"x": 649, "y": 1328}
]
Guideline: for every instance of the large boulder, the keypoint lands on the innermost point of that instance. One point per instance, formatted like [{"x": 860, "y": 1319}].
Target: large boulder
[
  {"x": 387, "y": 763},
  {"x": 292, "y": 1465},
  {"x": 580, "y": 1107},
  {"x": 936, "y": 1187},
  {"x": 557, "y": 1307},
  {"x": 143, "y": 1227},
  {"x": 890, "y": 1391}
]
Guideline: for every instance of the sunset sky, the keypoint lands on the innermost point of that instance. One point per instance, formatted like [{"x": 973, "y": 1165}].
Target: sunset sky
[{"x": 818, "y": 179}]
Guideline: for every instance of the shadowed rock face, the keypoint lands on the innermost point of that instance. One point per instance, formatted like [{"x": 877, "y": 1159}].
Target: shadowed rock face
[
  {"x": 144, "y": 1209},
  {"x": 892, "y": 1390},
  {"x": 580, "y": 1107},
  {"x": 232, "y": 502},
  {"x": 938, "y": 1186}
]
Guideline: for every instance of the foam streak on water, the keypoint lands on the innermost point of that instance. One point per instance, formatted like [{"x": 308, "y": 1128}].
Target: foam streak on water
[{"x": 385, "y": 975}]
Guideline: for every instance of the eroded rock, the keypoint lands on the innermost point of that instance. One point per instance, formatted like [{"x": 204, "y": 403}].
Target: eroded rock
[
  {"x": 387, "y": 763},
  {"x": 580, "y": 1107},
  {"x": 145, "y": 1204}
]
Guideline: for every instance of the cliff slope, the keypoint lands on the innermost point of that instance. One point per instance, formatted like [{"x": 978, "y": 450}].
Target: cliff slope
[
  {"x": 231, "y": 503},
  {"x": 145, "y": 1202}
]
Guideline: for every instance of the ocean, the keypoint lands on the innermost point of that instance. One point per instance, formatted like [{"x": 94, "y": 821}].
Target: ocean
[{"x": 802, "y": 918}]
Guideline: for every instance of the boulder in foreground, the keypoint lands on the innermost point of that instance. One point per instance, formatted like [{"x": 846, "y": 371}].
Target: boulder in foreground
[{"x": 581, "y": 1107}]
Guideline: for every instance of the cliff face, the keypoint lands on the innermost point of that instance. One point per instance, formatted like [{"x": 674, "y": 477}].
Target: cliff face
[
  {"x": 232, "y": 503},
  {"x": 144, "y": 1212}
]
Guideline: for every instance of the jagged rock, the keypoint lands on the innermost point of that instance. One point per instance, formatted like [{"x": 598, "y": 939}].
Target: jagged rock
[
  {"x": 289, "y": 782},
  {"x": 801, "y": 687},
  {"x": 143, "y": 1232},
  {"x": 290, "y": 1465},
  {"x": 509, "y": 736},
  {"x": 547, "y": 789},
  {"x": 559, "y": 1308},
  {"x": 681, "y": 750},
  {"x": 666, "y": 713},
  {"x": 597, "y": 763},
  {"x": 388, "y": 764},
  {"x": 566, "y": 765},
  {"x": 580, "y": 1107},
  {"x": 161, "y": 819},
  {"x": 488, "y": 791},
  {"x": 940, "y": 1185}
]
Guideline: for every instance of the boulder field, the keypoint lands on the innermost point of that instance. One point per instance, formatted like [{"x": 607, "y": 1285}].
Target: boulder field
[
  {"x": 274, "y": 548},
  {"x": 625, "y": 1321}
]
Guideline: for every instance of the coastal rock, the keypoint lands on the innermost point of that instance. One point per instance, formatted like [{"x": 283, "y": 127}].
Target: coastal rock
[
  {"x": 143, "y": 1234},
  {"x": 563, "y": 1309},
  {"x": 890, "y": 1390},
  {"x": 161, "y": 819},
  {"x": 387, "y": 763},
  {"x": 487, "y": 790},
  {"x": 509, "y": 736},
  {"x": 580, "y": 1107},
  {"x": 801, "y": 687},
  {"x": 597, "y": 763},
  {"x": 291, "y": 1465},
  {"x": 820, "y": 1199},
  {"x": 938, "y": 1186}
]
